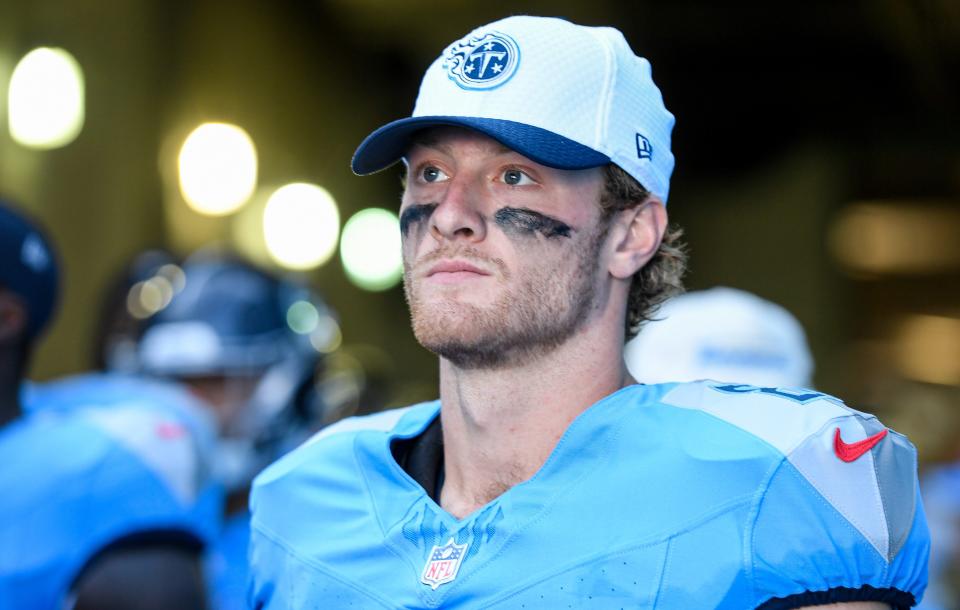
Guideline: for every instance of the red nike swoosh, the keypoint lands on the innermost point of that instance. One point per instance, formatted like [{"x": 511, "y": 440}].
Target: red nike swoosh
[{"x": 848, "y": 452}]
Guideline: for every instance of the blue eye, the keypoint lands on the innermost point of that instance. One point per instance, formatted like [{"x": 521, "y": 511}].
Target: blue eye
[
  {"x": 431, "y": 173},
  {"x": 515, "y": 177}
]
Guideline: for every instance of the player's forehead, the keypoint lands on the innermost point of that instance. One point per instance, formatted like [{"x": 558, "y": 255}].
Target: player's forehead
[{"x": 451, "y": 140}]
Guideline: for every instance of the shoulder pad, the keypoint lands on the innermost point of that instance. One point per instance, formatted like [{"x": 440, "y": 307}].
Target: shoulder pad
[
  {"x": 163, "y": 443},
  {"x": 329, "y": 441},
  {"x": 865, "y": 471},
  {"x": 783, "y": 417}
]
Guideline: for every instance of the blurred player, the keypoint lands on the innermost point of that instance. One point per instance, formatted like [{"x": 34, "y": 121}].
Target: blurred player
[
  {"x": 107, "y": 503},
  {"x": 248, "y": 344},
  {"x": 723, "y": 334},
  {"x": 535, "y": 242}
]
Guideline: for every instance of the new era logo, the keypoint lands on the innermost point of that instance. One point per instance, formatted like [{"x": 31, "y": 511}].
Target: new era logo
[{"x": 644, "y": 148}]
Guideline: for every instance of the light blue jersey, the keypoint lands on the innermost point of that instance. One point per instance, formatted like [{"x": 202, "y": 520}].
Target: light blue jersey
[
  {"x": 94, "y": 460},
  {"x": 673, "y": 496},
  {"x": 941, "y": 497},
  {"x": 226, "y": 564}
]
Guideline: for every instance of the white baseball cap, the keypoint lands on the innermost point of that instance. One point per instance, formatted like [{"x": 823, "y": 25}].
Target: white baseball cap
[
  {"x": 722, "y": 334},
  {"x": 564, "y": 95}
]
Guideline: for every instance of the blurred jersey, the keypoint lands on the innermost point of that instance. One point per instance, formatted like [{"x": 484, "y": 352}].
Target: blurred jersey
[
  {"x": 723, "y": 334},
  {"x": 941, "y": 498},
  {"x": 96, "y": 461},
  {"x": 693, "y": 495},
  {"x": 226, "y": 564}
]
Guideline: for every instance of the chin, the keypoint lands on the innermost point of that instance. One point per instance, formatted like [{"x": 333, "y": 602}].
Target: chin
[
  {"x": 471, "y": 337},
  {"x": 467, "y": 335},
  {"x": 449, "y": 321}
]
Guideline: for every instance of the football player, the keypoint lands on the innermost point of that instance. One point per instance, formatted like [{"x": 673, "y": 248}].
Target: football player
[
  {"x": 107, "y": 501},
  {"x": 535, "y": 242},
  {"x": 249, "y": 344}
]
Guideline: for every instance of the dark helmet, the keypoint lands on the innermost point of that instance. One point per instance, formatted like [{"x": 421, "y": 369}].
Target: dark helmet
[
  {"x": 121, "y": 323},
  {"x": 222, "y": 317},
  {"x": 28, "y": 267}
]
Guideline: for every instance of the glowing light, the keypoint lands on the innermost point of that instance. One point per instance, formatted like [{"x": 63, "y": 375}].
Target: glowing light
[
  {"x": 144, "y": 300},
  {"x": 326, "y": 337},
  {"x": 218, "y": 168},
  {"x": 173, "y": 274},
  {"x": 905, "y": 238},
  {"x": 46, "y": 99},
  {"x": 150, "y": 296},
  {"x": 300, "y": 225},
  {"x": 370, "y": 249},
  {"x": 928, "y": 349},
  {"x": 303, "y": 317},
  {"x": 160, "y": 285}
]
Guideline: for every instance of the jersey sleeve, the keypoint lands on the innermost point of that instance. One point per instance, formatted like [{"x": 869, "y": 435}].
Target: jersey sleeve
[
  {"x": 841, "y": 520},
  {"x": 89, "y": 480},
  {"x": 164, "y": 470}
]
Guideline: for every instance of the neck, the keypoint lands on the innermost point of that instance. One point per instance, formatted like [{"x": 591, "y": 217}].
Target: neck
[
  {"x": 500, "y": 426},
  {"x": 9, "y": 388}
]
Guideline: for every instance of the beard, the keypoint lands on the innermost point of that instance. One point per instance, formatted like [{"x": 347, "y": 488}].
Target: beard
[{"x": 542, "y": 309}]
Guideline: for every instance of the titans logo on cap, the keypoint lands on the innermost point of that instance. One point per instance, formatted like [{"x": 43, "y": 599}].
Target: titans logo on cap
[{"x": 482, "y": 62}]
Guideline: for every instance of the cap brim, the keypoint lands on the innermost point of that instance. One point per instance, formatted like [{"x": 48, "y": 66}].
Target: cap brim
[{"x": 387, "y": 145}]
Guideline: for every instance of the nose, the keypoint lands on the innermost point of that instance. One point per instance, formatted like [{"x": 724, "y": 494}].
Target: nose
[{"x": 458, "y": 214}]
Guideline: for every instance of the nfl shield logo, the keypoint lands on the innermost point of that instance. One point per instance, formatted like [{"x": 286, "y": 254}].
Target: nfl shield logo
[{"x": 443, "y": 564}]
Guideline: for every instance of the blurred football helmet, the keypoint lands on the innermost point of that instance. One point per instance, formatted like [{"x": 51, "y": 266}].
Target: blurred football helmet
[
  {"x": 250, "y": 343},
  {"x": 121, "y": 313},
  {"x": 722, "y": 334}
]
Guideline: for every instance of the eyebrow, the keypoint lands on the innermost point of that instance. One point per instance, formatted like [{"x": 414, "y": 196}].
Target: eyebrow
[
  {"x": 528, "y": 221},
  {"x": 415, "y": 214}
]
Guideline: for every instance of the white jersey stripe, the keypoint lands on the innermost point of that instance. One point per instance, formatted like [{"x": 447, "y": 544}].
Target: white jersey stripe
[
  {"x": 802, "y": 431},
  {"x": 850, "y": 487},
  {"x": 778, "y": 421}
]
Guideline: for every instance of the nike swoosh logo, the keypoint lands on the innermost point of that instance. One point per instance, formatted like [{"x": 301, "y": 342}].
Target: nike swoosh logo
[{"x": 849, "y": 452}]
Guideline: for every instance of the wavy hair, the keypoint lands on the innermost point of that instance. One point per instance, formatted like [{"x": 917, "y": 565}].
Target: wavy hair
[{"x": 662, "y": 276}]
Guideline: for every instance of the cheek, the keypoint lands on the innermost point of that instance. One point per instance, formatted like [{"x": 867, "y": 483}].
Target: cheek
[{"x": 413, "y": 241}]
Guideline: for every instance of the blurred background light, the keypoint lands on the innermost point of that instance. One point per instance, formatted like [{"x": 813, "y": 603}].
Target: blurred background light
[
  {"x": 151, "y": 295},
  {"x": 217, "y": 168},
  {"x": 163, "y": 287},
  {"x": 928, "y": 349},
  {"x": 326, "y": 337},
  {"x": 370, "y": 249},
  {"x": 897, "y": 238},
  {"x": 300, "y": 224},
  {"x": 46, "y": 99},
  {"x": 144, "y": 300},
  {"x": 173, "y": 274},
  {"x": 302, "y": 317}
]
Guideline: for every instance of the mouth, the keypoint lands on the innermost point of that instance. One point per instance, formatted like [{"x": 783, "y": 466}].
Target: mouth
[{"x": 453, "y": 270}]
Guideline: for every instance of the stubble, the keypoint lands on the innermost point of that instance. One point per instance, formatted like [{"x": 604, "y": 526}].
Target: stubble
[{"x": 546, "y": 304}]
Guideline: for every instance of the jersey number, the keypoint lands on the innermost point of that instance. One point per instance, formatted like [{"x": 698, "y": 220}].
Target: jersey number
[{"x": 795, "y": 394}]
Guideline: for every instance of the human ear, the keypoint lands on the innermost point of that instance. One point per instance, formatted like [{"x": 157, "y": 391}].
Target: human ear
[{"x": 635, "y": 236}]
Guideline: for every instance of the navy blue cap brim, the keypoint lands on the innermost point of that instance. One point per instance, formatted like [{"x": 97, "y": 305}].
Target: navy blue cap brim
[{"x": 389, "y": 144}]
